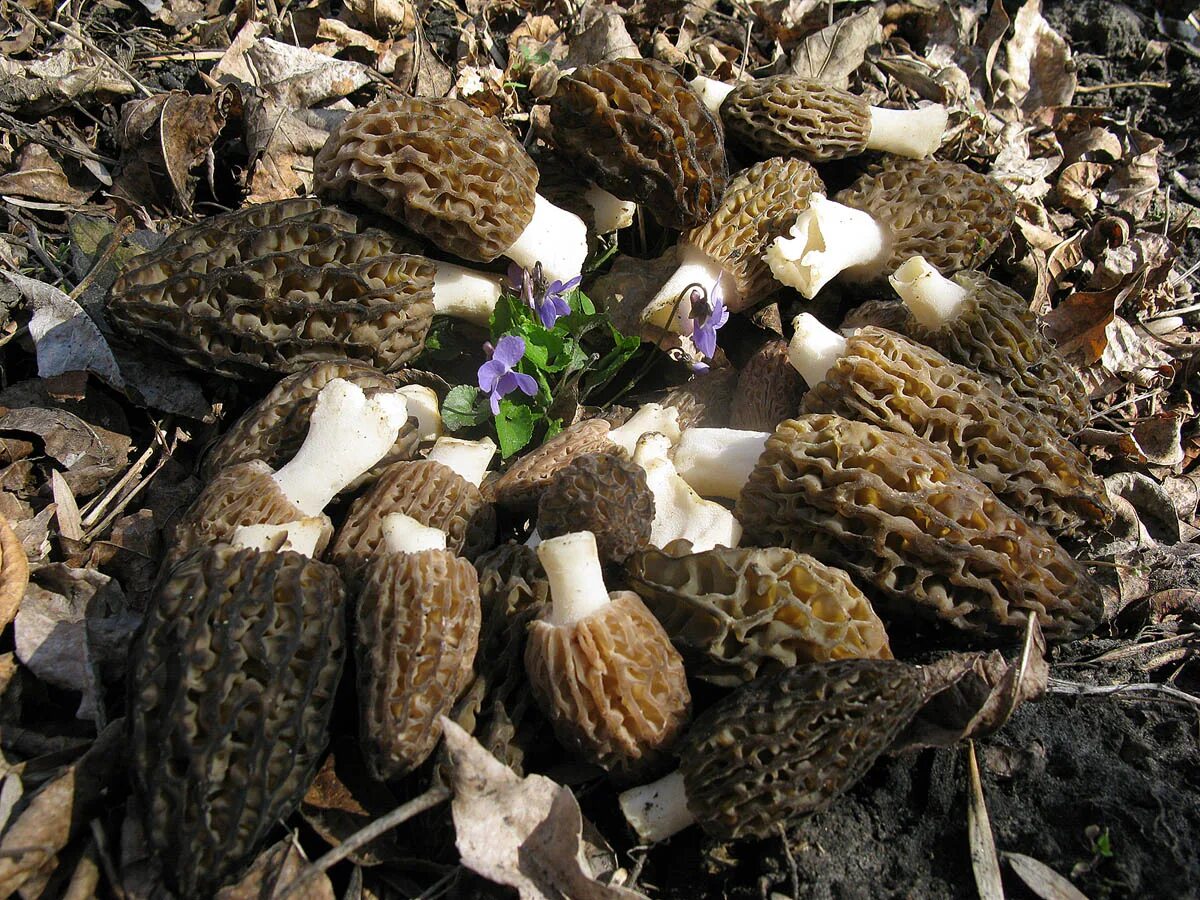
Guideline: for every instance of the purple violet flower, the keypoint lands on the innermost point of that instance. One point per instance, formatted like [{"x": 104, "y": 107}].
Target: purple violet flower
[
  {"x": 708, "y": 313},
  {"x": 547, "y": 300},
  {"x": 497, "y": 377}
]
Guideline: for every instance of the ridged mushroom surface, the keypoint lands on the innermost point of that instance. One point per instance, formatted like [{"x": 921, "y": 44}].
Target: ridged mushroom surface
[
  {"x": 418, "y": 628},
  {"x": 522, "y": 483},
  {"x": 769, "y": 390},
  {"x": 787, "y": 745},
  {"x": 943, "y": 211},
  {"x": 602, "y": 493},
  {"x": 452, "y": 175},
  {"x": 273, "y": 288},
  {"x": 887, "y": 380},
  {"x": 705, "y": 398},
  {"x": 611, "y": 684},
  {"x": 900, "y": 516},
  {"x": 231, "y": 690},
  {"x": 760, "y": 204},
  {"x": 740, "y": 613},
  {"x": 428, "y": 491},
  {"x": 785, "y": 115},
  {"x": 637, "y": 129}
]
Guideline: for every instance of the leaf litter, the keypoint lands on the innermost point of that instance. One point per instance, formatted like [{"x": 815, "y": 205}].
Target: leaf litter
[{"x": 166, "y": 112}]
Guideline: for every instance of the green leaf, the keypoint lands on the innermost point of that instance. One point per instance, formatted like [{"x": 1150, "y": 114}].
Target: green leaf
[
  {"x": 514, "y": 427},
  {"x": 541, "y": 347},
  {"x": 463, "y": 407}
]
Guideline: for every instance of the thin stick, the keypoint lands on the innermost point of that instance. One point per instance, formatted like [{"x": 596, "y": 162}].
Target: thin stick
[
  {"x": 1074, "y": 688},
  {"x": 124, "y": 227},
  {"x": 87, "y": 42},
  {"x": 1093, "y": 88},
  {"x": 364, "y": 836}
]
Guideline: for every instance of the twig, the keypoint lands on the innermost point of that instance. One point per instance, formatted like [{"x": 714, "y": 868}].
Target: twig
[
  {"x": 91, "y": 45},
  {"x": 35, "y": 244},
  {"x": 1074, "y": 688},
  {"x": 1093, "y": 88},
  {"x": 364, "y": 836},
  {"x": 124, "y": 227},
  {"x": 793, "y": 874}
]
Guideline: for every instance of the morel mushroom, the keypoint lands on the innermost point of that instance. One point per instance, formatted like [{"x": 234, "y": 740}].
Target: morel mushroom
[
  {"x": 899, "y": 515},
  {"x": 455, "y": 176},
  {"x": 277, "y": 287},
  {"x": 601, "y": 667},
  {"x": 787, "y": 115},
  {"x": 759, "y": 205},
  {"x": 736, "y": 614},
  {"x": 941, "y": 210},
  {"x": 679, "y": 512},
  {"x": 604, "y": 494},
  {"x": 705, "y": 398},
  {"x": 880, "y": 377},
  {"x": 781, "y": 747},
  {"x": 635, "y": 128},
  {"x": 348, "y": 433},
  {"x": 978, "y": 322},
  {"x": 768, "y": 390},
  {"x": 231, "y": 689},
  {"x": 441, "y": 492},
  {"x": 418, "y": 630}
]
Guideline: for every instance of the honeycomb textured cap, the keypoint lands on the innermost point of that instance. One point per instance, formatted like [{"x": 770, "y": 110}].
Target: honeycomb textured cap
[
  {"x": 996, "y": 333},
  {"x": 786, "y": 745},
  {"x": 887, "y": 380},
  {"x": 418, "y": 626},
  {"x": 736, "y": 614},
  {"x": 438, "y": 166},
  {"x": 900, "y": 516},
  {"x": 273, "y": 288},
  {"x": 611, "y": 684},
  {"x": 522, "y": 483},
  {"x": 943, "y": 211},
  {"x": 231, "y": 689},
  {"x": 639, "y": 131},
  {"x": 769, "y": 390},
  {"x": 274, "y": 428},
  {"x": 705, "y": 398},
  {"x": 428, "y": 491},
  {"x": 760, "y": 204},
  {"x": 786, "y": 115},
  {"x": 603, "y": 493}
]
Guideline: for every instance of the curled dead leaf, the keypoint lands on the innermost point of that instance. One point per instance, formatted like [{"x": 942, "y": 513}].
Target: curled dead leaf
[
  {"x": 832, "y": 54},
  {"x": 1079, "y": 324},
  {"x": 38, "y": 175},
  {"x": 14, "y": 573},
  {"x": 1040, "y": 69},
  {"x": 272, "y": 871}
]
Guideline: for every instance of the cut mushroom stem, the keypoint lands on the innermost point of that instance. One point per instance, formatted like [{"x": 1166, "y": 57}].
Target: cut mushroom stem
[
  {"x": 814, "y": 349},
  {"x": 572, "y": 567},
  {"x": 609, "y": 212},
  {"x": 555, "y": 238},
  {"x": 470, "y": 459},
  {"x": 679, "y": 512},
  {"x": 659, "y": 809},
  {"x": 907, "y": 132},
  {"x": 651, "y": 418},
  {"x": 301, "y": 536},
  {"x": 712, "y": 92},
  {"x": 695, "y": 268},
  {"x": 717, "y": 462},
  {"x": 827, "y": 239},
  {"x": 463, "y": 293},
  {"x": 404, "y": 534},
  {"x": 423, "y": 405},
  {"x": 933, "y": 299},
  {"x": 348, "y": 433}
]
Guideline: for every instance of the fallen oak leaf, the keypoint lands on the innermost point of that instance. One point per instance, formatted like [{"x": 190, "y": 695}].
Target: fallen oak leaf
[
  {"x": 1079, "y": 324},
  {"x": 520, "y": 832},
  {"x": 187, "y": 128},
  {"x": 832, "y": 54}
]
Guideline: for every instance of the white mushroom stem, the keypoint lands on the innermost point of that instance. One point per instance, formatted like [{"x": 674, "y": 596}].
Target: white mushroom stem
[
  {"x": 651, "y": 417},
  {"x": 347, "y": 434},
  {"x": 932, "y": 297},
  {"x": 302, "y": 536},
  {"x": 470, "y": 459},
  {"x": 404, "y": 534},
  {"x": 609, "y": 212},
  {"x": 463, "y": 293},
  {"x": 712, "y": 92},
  {"x": 814, "y": 349},
  {"x": 659, "y": 809},
  {"x": 423, "y": 405},
  {"x": 576, "y": 580},
  {"x": 679, "y": 512},
  {"x": 826, "y": 239},
  {"x": 717, "y": 462},
  {"x": 695, "y": 268},
  {"x": 907, "y": 132},
  {"x": 555, "y": 238}
]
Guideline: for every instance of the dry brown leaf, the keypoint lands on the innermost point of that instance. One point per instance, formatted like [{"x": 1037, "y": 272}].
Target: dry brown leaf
[
  {"x": 61, "y": 807},
  {"x": 90, "y": 454},
  {"x": 1159, "y": 439},
  {"x": 984, "y": 861},
  {"x": 1157, "y": 518},
  {"x": 283, "y": 143},
  {"x": 787, "y": 20},
  {"x": 1079, "y": 324},
  {"x": 521, "y": 832},
  {"x": 188, "y": 126},
  {"x": 1040, "y": 70},
  {"x": 1130, "y": 356},
  {"x": 600, "y": 35},
  {"x": 383, "y": 17},
  {"x": 14, "y": 579},
  {"x": 1041, "y": 879},
  {"x": 48, "y": 83},
  {"x": 38, "y": 175},
  {"x": 276, "y": 868},
  {"x": 1076, "y": 186},
  {"x": 1014, "y": 166},
  {"x": 832, "y": 54},
  {"x": 1133, "y": 185},
  {"x": 336, "y": 810}
]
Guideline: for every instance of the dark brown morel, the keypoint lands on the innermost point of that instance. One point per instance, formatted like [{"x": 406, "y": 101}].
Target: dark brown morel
[
  {"x": 231, "y": 688},
  {"x": 604, "y": 494}
]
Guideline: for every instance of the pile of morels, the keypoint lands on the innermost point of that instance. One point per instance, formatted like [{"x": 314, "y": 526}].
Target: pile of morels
[{"x": 761, "y": 531}]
